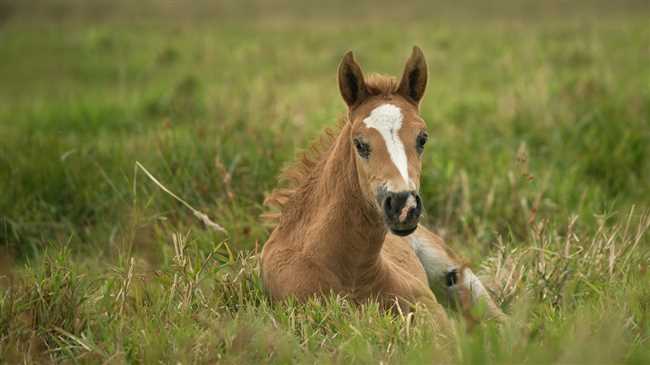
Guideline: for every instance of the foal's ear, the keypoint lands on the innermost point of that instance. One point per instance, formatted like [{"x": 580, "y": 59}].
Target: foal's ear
[
  {"x": 351, "y": 82},
  {"x": 414, "y": 79}
]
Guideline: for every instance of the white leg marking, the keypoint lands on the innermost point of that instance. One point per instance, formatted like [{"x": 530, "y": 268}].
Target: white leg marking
[
  {"x": 475, "y": 286},
  {"x": 387, "y": 120},
  {"x": 436, "y": 263}
]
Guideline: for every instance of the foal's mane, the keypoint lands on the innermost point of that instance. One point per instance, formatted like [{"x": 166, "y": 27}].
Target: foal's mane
[{"x": 301, "y": 172}]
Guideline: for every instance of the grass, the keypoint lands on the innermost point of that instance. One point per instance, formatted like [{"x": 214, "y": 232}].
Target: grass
[{"x": 537, "y": 172}]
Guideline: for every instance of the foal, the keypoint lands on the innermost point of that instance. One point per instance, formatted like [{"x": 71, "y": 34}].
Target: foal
[{"x": 348, "y": 222}]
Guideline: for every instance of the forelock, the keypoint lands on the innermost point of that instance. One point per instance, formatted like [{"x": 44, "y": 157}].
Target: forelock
[{"x": 381, "y": 85}]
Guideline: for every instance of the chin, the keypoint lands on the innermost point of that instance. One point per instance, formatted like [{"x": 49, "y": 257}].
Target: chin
[{"x": 403, "y": 232}]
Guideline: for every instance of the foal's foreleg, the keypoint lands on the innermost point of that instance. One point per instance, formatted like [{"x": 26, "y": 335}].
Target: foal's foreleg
[
  {"x": 449, "y": 278},
  {"x": 470, "y": 292}
]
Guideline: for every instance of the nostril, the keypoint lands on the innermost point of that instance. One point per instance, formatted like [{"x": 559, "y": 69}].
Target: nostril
[
  {"x": 418, "y": 206},
  {"x": 387, "y": 203}
]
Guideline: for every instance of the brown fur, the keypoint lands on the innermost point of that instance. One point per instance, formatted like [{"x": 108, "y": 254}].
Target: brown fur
[{"x": 329, "y": 233}]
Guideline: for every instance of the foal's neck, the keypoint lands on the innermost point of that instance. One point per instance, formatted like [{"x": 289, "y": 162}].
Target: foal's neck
[{"x": 348, "y": 232}]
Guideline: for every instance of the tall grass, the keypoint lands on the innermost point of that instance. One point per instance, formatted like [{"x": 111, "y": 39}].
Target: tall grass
[{"x": 537, "y": 173}]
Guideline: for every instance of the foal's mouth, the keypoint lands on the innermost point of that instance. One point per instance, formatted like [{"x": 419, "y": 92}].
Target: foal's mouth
[{"x": 403, "y": 232}]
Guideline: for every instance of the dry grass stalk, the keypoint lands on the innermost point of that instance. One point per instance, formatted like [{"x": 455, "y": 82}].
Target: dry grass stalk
[
  {"x": 200, "y": 215},
  {"x": 124, "y": 289},
  {"x": 552, "y": 261}
]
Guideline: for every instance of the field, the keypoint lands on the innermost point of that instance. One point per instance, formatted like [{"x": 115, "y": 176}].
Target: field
[{"x": 537, "y": 171}]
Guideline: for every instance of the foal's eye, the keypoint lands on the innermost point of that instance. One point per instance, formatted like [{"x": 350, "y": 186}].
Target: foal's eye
[
  {"x": 421, "y": 141},
  {"x": 362, "y": 148}
]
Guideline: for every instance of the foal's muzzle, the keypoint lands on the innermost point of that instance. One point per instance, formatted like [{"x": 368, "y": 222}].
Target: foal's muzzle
[{"x": 402, "y": 211}]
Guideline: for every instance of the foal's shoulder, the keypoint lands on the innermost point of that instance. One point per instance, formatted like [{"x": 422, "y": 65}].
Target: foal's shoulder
[{"x": 398, "y": 251}]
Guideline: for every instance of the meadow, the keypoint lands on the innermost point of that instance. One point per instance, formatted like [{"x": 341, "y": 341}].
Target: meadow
[{"x": 537, "y": 171}]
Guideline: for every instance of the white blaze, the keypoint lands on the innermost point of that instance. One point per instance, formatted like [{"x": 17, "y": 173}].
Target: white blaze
[{"x": 387, "y": 120}]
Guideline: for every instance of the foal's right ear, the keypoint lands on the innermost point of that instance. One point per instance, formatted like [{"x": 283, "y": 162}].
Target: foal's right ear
[{"x": 351, "y": 82}]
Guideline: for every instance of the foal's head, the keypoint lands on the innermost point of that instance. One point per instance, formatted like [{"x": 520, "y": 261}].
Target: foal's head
[{"x": 388, "y": 138}]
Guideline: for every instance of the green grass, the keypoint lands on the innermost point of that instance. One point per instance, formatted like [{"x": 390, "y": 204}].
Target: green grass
[{"x": 538, "y": 172}]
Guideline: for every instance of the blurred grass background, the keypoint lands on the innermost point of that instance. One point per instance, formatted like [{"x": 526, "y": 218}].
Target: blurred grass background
[{"x": 538, "y": 171}]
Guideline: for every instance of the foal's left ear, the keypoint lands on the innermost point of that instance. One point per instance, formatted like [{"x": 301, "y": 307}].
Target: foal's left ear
[{"x": 414, "y": 79}]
